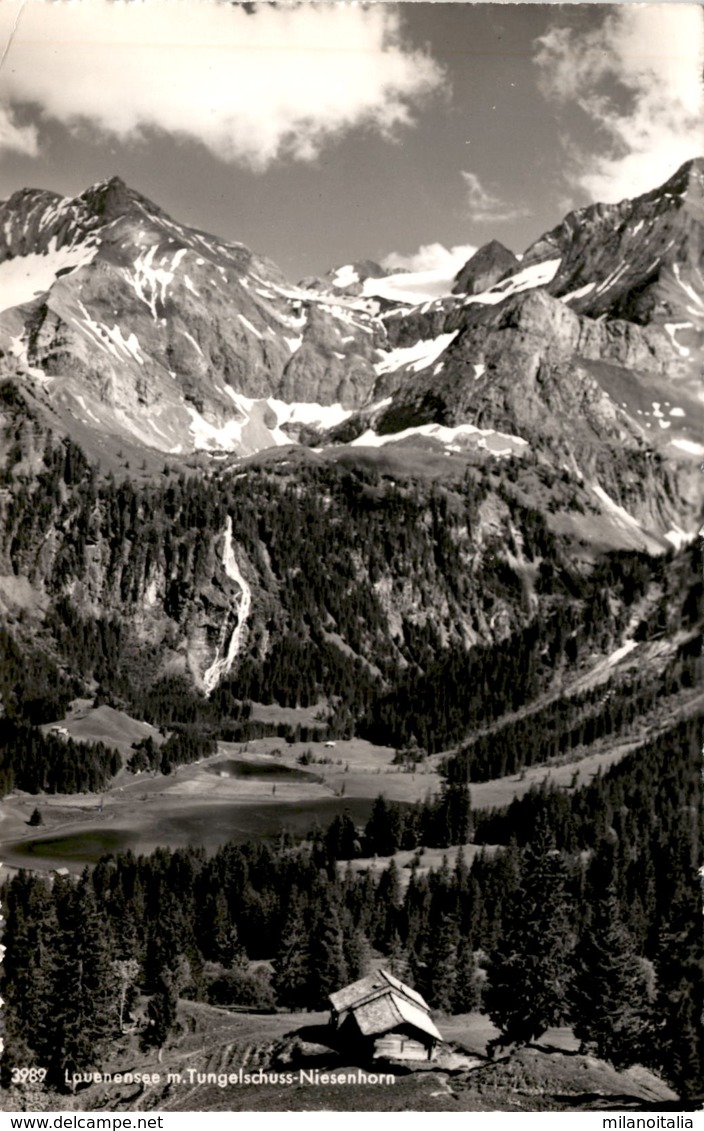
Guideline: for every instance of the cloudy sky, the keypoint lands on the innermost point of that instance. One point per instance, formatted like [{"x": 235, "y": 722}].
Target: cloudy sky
[{"x": 319, "y": 133}]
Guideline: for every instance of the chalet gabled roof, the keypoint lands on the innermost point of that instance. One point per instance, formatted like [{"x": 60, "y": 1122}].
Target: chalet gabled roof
[
  {"x": 373, "y": 986},
  {"x": 412, "y": 1015},
  {"x": 379, "y": 1015},
  {"x": 385, "y": 1013},
  {"x": 413, "y": 995}
]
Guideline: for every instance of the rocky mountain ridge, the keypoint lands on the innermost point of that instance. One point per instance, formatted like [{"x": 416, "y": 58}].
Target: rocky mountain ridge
[
  {"x": 457, "y": 458},
  {"x": 111, "y": 308},
  {"x": 117, "y": 309}
]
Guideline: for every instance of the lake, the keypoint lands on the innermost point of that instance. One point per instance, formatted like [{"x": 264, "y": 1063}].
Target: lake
[{"x": 209, "y": 825}]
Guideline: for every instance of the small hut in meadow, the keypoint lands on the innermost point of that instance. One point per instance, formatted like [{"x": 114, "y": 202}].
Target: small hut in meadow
[{"x": 383, "y": 1018}]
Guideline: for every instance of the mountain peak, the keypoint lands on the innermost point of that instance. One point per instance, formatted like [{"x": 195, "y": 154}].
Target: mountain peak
[
  {"x": 491, "y": 263},
  {"x": 112, "y": 198},
  {"x": 688, "y": 176}
]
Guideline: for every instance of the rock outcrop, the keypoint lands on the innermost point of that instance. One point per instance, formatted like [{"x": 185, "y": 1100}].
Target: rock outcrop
[{"x": 491, "y": 263}]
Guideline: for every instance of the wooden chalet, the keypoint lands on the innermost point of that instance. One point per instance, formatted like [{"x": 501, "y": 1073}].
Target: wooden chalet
[{"x": 384, "y": 1018}]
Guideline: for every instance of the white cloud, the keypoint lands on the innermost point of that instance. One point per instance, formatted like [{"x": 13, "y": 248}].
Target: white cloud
[
  {"x": 485, "y": 206},
  {"x": 431, "y": 257},
  {"x": 251, "y": 87},
  {"x": 652, "y": 119},
  {"x": 19, "y": 139}
]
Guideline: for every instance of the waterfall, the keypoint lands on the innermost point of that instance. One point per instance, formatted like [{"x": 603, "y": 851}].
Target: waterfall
[{"x": 223, "y": 662}]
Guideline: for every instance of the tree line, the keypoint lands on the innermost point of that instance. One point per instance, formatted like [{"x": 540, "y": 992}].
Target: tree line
[
  {"x": 598, "y": 888},
  {"x": 331, "y": 548}
]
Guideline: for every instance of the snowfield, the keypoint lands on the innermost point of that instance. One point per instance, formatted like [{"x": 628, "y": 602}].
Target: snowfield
[
  {"x": 411, "y": 287},
  {"x": 25, "y": 277},
  {"x": 417, "y": 356},
  {"x": 537, "y": 275},
  {"x": 345, "y": 276},
  {"x": 455, "y": 439},
  {"x": 260, "y": 423}
]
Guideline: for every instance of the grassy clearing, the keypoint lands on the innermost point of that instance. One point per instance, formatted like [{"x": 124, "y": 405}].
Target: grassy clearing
[
  {"x": 306, "y": 716},
  {"x": 352, "y": 768},
  {"x": 115, "y": 729},
  {"x": 206, "y": 803},
  {"x": 550, "y": 1076},
  {"x": 197, "y": 805},
  {"x": 502, "y": 791}
]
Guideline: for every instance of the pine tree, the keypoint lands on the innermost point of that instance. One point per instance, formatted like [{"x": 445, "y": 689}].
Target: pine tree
[
  {"x": 83, "y": 991},
  {"x": 327, "y": 971},
  {"x": 454, "y": 815},
  {"x": 680, "y": 1002},
  {"x": 465, "y": 992},
  {"x": 292, "y": 961},
  {"x": 127, "y": 973},
  {"x": 355, "y": 947},
  {"x": 387, "y": 907},
  {"x": 442, "y": 965},
  {"x": 29, "y": 936},
  {"x": 396, "y": 961},
  {"x": 529, "y": 972},
  {"x": 610, "y": 1005},
  {"x": 162, "y": 1012},
  {"x": 219, "y": 933}
]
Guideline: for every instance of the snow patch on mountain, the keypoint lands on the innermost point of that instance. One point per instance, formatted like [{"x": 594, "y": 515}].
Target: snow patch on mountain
[
  {"x": 614, "y": 507},
  {"x": 249, "y": 326},
  {"x": 192, "y": 340},
  {"x": 689, "y": 291},
  {"x": 671, "y": 328},
  {"x": 691, "y": 447},
  {"x": 129, "y": 345},
  {"x": 536, "y": 275},
  {"x": 98, "y": 333},
  {"x": 260, "y": 422},
  {"x": 308, "y": 412},
  {"x": 25, "y": 277},
  {"x": 581, "y": 292},
  {"x": 110, "y": 339},
  {"x": 613, "y": 278},
  {"x": 411, "y": 287},
  {"x": 455, "y": 439},
  {"x": 417, "y": 356},
  {"x": 149, "y": 282},
  {"x": 345, "y": 276},
  {"x": 621, "y": 652},
  {"x": 679, "y": 538}
]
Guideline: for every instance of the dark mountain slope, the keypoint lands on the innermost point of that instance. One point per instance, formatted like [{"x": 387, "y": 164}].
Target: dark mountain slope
[{"x": 491, "y": 263}]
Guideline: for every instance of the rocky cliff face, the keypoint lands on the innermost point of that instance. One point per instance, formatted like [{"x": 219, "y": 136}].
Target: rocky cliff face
[
  {"x": 587, "y": 350},
  {"x": 640, "y": 260},
  {"x": 114, "y": 309},
  {"x": 126, "y": 323},
  {"x": 487, "y": 266},
  {"x": 207, "y": 573},
  {"x": 523, "y": 429}
]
